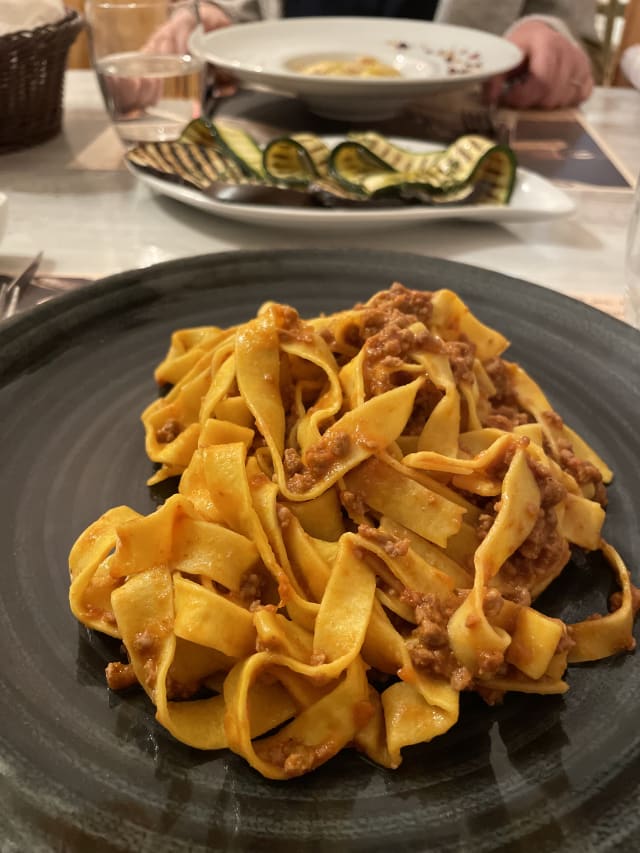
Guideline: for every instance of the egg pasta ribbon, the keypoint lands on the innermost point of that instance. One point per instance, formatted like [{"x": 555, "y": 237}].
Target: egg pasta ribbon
[{"x": 367, "y": 505}]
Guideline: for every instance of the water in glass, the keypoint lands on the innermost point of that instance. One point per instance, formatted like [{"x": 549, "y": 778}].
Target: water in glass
[
  {"x": 150, "y": 97},
  {"x": 151, "y": 86}
]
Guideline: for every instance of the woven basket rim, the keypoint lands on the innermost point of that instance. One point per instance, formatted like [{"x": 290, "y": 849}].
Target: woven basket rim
[
  {"x": 32, "y": 113},
  {"x": 71, "y": 18}
]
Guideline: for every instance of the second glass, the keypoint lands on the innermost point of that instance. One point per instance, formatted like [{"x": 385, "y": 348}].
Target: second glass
[
  {"x": 151, "y": 86},
  {"x": 632, "y": 293}
]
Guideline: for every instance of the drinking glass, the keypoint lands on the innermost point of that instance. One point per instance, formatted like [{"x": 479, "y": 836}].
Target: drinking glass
[
  {"x": 632, "y": 291},
  {"x": 151, "y": 88}
]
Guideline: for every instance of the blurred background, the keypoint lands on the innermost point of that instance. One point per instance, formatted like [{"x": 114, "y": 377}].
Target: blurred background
[{"x": 617, "y": 25}]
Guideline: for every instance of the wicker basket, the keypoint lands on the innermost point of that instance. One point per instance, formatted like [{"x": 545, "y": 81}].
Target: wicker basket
[{"x": 32, "y": 66}]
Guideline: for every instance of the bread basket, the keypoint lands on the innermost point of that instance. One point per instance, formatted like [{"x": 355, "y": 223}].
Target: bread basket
[{"x": 32, "y": 67}]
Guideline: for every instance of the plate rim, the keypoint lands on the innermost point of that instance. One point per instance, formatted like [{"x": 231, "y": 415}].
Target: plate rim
[
  {"x": 15, "y": 330},
  {"x": 477, "y": 212},
  {"x": 336, "y": 85}
]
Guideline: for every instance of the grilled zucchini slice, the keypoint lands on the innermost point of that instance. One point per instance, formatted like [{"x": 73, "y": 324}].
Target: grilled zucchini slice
[
  {"x": 352, "y": 164},
  {"x": 198, "y": 132},
  {"x": 296, "y": 159},
  {"x": 448, "y": 177},
  {"x": 472, "y": 158},
  {"x": 400, "y": 159},
  {"x": 241, "y": 146},
  {"x": 330, "y": 193},
  {"x": 230, "y": 141},
  {"x": 495, "y": 166},
  {"x": 196, "y": 165}
]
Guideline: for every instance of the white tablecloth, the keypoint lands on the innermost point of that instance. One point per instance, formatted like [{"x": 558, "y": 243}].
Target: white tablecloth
[{"x": 92, "y": 218}]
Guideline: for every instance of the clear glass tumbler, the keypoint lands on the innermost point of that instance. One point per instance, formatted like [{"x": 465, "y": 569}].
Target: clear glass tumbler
[
  {"x": 632, "y": 265},
  {"x": 151, "y": 86}
]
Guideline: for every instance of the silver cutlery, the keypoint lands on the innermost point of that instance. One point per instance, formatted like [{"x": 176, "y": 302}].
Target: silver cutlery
[
  {"x": 29, "y": 289},
  {"x": 11, "y": 292}
]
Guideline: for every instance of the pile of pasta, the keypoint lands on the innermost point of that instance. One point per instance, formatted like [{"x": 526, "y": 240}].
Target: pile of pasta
[{"x": 368, "y": 503}]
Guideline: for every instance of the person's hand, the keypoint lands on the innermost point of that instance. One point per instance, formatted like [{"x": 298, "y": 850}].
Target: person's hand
[
  {"x": 173, "y": 37},
  {"x": 131, "y": 95},
  {"x": 556, "y": 72}
]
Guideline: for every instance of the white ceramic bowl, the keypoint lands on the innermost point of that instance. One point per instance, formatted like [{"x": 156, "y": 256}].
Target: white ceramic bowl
[
  {"x": 430, "y": 57},
  {"x": 4, "y": 214}
]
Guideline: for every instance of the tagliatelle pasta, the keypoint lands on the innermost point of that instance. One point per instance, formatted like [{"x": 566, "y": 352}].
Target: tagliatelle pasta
[
  {"x": 361, "y": 66},
  {"x": 368, "y": 503}
]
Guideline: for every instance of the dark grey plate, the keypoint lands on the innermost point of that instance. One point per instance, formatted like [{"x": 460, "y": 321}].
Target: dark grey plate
[{"x": 85, "y": 770}]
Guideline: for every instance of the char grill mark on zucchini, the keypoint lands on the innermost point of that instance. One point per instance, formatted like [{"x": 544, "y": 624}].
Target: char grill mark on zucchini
[
  {"x": 192, "y": 163},
  {"x": 351, "y": 163},
  {"x": 317, "y": 150},
  {"x": 161, "y": 158},
  {"x": 152, "y": 158},
  {"x": 205, "y": 159},
  {"x": 138, "y": 157},
  {"x": 286, "y": 161},
  {"x": 171, "y": 156},
  {"x": 155, "y": 158},
  {"x": 180, "y": 164},
  {"x": 497, "y": 171},
  {"x": 398, "y": 158},
  {"x": 463, "y": 158},
  {"x": 295, "y": 160},
  {"x": 227, "y": 168},
  {"x": 480, "y": 159},
  {"x": 197, "y": 165},
  {"x": 232, "y": 143},
  {"x": 215, "y": 166},
  {"x": 241, "y": 147},
  {"x": 198, "y": 132}
]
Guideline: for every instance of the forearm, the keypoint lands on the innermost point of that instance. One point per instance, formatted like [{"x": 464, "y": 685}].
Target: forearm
[
  {"x": 572, "y": 18},
  {"x": 575, "y": 17},
  {"x": 243, "y": 11},
  {"x": 551, "y": 20}
]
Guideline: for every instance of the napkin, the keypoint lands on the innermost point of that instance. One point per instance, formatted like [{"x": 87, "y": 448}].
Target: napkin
[{"x": 18, "y": 15}]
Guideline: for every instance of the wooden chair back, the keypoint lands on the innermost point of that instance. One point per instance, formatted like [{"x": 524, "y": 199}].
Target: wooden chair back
[
  {"x": 630, "y": 36},
  {"x": 79, "y": 53}
]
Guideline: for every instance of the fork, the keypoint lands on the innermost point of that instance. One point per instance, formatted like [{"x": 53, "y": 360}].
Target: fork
[{"x": 11, "y": 292}]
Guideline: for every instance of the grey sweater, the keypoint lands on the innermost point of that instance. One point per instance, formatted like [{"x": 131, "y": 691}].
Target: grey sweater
[{"x": 576, "y": 17}]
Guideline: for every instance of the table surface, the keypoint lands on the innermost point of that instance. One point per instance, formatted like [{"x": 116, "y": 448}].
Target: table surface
[{"x": 92, "y": 218}]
